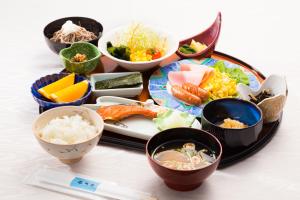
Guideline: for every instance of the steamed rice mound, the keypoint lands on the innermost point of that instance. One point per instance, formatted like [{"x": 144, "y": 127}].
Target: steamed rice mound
[{"x": 68, "y": 130}]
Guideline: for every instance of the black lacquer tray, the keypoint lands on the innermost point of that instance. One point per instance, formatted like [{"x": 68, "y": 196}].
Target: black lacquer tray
[{"x": 230, "y": 155}]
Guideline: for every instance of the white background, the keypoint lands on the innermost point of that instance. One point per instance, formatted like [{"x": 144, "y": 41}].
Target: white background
[{"x": 264, "y": 34}]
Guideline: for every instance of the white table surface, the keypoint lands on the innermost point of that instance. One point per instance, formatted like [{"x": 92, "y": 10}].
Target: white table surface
[{"x": 264, "y": 34}]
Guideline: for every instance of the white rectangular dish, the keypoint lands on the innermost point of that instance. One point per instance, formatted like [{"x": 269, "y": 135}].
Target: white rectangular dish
[
  {"x": 121, "y": 92},
  {"x": 134, "y": 126}
]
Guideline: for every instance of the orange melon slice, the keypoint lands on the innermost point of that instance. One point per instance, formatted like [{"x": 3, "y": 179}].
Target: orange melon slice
[
  {"x": 57, "y": 85},
  {"x": 71, "y": 93}
]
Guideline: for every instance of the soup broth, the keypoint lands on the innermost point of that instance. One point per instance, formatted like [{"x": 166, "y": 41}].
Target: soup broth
[{"x": 183, "y": 155}]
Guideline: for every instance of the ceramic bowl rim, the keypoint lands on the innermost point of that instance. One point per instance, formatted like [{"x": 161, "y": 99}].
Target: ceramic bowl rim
[
  {"x": 87, "y": 94},
  {"x": 218, "y": 158},
  {"x": 271, "y": 98},
  {"x": 170, "y": 51},
  {"x": 84, "y": 43},
  {"x": 99, "y": 133},
  {"x": 238, "y": 100},
  {"x": 261, "y": 87},
  {"x": 209, "y": 46},
  {"x": 70, "y": 18}
]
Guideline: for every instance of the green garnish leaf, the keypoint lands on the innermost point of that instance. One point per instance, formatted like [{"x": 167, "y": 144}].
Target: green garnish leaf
[
  {"x": 121, "y": 52},
  {"x": 186, "y": 49},
  {"x": 234, "y": 73}
]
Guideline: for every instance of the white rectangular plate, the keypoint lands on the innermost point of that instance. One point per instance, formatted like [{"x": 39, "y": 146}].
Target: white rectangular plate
[
  {"x": 121, "y": 92},
  {"x": 134, "y": 126}
]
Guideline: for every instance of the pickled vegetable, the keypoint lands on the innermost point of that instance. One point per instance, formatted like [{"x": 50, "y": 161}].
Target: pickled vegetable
[
  {"x": 267, "y": 93},
  {"x": 131, "y": 80}
]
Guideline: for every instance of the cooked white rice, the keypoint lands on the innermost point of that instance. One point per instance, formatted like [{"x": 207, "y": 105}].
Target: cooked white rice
[{"x": 68, "y": 130}]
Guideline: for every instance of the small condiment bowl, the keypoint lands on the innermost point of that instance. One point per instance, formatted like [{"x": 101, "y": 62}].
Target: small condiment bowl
[
  {"x": 46, "y": 80},
  {"x": 216, "y": 111},
  {"x": 209, "y": 37},
  {"x": 69, "y": 153},
  {"x": 271, "y": 107},
  {"x": 88, "y": 23},
  {"x": 183, "y": 180},
  {"x": 89, "y": 50},
  {"x": 120, "y": 92},
  {"x": 141, "y": 65}
]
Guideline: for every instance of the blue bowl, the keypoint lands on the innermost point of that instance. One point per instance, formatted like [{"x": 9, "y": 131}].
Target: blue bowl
[
  {"x": 46, "y": 80},
  {"x": 244, "y": 111}
]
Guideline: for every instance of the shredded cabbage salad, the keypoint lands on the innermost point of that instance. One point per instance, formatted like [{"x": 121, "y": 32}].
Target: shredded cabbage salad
[{"x": 144, "y": 43}]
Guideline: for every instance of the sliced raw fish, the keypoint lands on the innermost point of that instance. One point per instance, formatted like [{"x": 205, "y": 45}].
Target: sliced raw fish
[
  {"x": 176, "y": 78},
  {"x": 193, "y": 67},
  {"x": 181, "y": 77}
]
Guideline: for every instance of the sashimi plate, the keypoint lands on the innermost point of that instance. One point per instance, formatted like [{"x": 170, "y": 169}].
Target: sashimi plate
[
  {"x": 133, "y": 126},
  {"x": 159, "y": 84}
]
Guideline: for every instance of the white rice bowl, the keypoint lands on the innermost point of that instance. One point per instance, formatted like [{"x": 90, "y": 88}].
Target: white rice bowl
[{"x": 68, "y": 130}]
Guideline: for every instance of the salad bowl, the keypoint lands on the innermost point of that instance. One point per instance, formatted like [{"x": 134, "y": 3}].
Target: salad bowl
[{"x": 140, "y": 65}]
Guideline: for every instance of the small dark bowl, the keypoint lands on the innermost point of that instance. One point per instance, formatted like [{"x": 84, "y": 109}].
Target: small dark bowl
[
  {"x": 179, "y": 179},
  {"x": 244, "y": 111},
  {"x": 89, "y": 24},
  {"x": 46, "y": 80}
]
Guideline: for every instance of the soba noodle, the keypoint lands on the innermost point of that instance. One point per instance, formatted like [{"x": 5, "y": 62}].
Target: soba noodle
[{"x": 70, "y": 33}]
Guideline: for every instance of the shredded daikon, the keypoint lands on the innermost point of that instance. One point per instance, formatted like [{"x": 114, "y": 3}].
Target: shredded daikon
[{"x": 139, "y": 38}]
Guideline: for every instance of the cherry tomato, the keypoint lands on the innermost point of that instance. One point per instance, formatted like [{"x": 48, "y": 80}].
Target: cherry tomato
[{"x": 155, "y": 53}]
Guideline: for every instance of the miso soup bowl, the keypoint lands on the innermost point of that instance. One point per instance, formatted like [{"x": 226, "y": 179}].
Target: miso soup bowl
[
  {"x": 216, "y": 111},
  {"x": 68, "y": 153},
  {"x": 183, "y": 180}
]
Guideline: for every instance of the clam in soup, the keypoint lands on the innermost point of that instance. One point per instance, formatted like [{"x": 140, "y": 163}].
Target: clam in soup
[{"x": 183, "y": 156}]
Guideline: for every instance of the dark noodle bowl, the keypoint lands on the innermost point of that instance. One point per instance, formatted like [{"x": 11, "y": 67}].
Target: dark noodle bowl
[{"x": 87, "y": 23}]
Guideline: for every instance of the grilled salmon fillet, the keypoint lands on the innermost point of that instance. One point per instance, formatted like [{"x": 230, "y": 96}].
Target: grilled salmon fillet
[{"x": 119, "y": 112}]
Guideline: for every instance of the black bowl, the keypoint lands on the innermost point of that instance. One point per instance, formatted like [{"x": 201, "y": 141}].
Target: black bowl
[
  {"x": 244, "y": 111},
  {"x": 184, "y": 180},
  {"x": 89, "y": 24}
]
